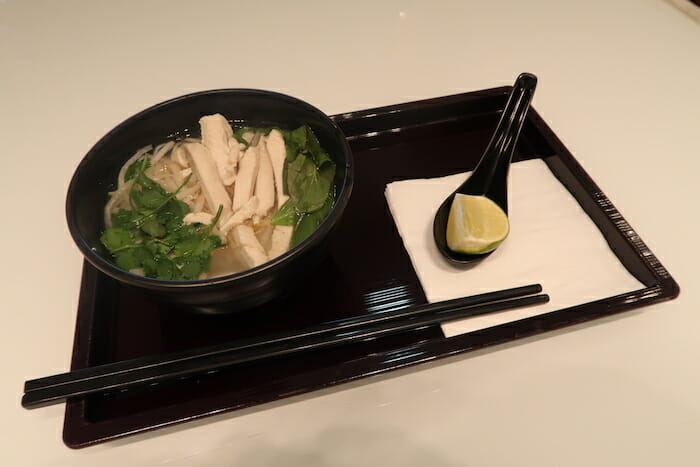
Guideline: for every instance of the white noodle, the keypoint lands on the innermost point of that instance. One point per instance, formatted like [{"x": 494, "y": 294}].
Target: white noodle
[
  {"x": 134, "y": 158},
  {"x": 169, "y": 183},
  {"x": 116, "y": 202},
  {"x": 176, "y": 174},
  {"x": 161, "y": 150}
]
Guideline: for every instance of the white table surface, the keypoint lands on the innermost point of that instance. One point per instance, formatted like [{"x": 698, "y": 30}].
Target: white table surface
[{"x": 619, "y": 82}]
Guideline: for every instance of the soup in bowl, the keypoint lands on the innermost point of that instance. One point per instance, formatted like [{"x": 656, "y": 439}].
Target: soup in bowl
[{"x": 220, "y": 200}]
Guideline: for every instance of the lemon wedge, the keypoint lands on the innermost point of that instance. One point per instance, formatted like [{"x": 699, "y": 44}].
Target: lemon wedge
[{"x": 475, "y": 225}]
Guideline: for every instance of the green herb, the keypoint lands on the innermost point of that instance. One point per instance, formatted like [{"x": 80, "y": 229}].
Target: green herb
[
  {"x": 152, "y": 235},
  {"x": 136, "y": 168},
  {"x": 309, "y": 222},
  {"x": 295, "y": 141},
  {"x": 309, "y": 184},
  {"x": 116, "y": 239},
  {"x": 125, "y": 219},
  {"x": 131, "y": 258},
  {"x": 287, "y": 214},
  {"x": 309, "y": 174}
]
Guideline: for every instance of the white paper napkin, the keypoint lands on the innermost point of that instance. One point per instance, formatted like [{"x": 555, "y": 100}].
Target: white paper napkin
[{"x": 552, "y": 241}]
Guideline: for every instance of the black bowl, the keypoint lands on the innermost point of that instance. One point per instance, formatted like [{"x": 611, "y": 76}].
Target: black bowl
[{"x": 97, "y": 173}]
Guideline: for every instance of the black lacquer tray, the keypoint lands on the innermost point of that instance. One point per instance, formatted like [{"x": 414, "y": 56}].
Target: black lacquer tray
[{"x": 367, "y": 271}]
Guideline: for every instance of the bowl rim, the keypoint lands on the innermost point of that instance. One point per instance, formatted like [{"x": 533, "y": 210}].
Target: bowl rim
[{"x": 122, "y": 275}]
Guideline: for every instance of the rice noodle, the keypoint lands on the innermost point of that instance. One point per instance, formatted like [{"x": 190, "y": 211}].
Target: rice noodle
[
  {"x": 134, "y": 158},
  {"x": 161, "y": 150},
  {"x": 116, "y": 202}
]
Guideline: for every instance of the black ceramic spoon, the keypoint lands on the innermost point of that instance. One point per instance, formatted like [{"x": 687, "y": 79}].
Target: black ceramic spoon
[{"x": 490, "y": 177}]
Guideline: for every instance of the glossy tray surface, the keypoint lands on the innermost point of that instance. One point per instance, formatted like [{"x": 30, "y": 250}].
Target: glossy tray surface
[{"x": 367, "y": 271}]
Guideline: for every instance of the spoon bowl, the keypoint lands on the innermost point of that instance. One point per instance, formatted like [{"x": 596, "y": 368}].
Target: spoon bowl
[{"x": 490, "y": 177}]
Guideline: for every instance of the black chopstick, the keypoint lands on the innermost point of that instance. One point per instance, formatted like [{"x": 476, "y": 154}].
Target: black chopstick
[
  {"x": 331, "y": 327},
  {"x": 152, "y": 370}
]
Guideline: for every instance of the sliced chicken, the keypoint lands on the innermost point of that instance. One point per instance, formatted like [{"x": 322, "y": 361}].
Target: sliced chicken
[
  {"x": 281, "y": 239},
  {"x": 216, "y": 135},
  {"x": 249, "y": 249},
  {"x": 240, "y": 216},
  {"x": 245, "y": 182},
  {"x": 248, "y": 136},
  {"x": 205, "y": 169},
  {"x": 179, "y": 155},
  {"x": 265, "y": 183},
  {"x": 277, "y": 151},
  {"x": 235, "y": 149}
]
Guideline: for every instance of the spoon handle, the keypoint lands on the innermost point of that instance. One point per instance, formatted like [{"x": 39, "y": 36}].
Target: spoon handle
[{"x": 490, "y": 175}]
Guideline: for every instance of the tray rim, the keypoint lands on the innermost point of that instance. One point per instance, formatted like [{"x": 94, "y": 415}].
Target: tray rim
[{"x": 663, "y": 288}]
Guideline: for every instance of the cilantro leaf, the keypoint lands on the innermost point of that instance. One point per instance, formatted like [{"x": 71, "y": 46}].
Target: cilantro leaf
[
  {"x": 165, "y": 268},
  {"x": 180, "y": 234},
  {"x": 148, "y": 199},
  {"x": 197, "y": 244},
  {"x": 172, "y": 214},
  {"x": 131, "y": 258},
  {"x": 187, "y": 246},
  {"x": 125, "y": 219},
  {"x": 153, "y": 227},
  {"x": 150, "y": 266},
  {"x": 116, "y": 238},
  {"x": 136, "y": 168},
  {"x": 157, "y": 247},
  {"x": 150, "y": 235},
  {"x": 191, "y": 268}
]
